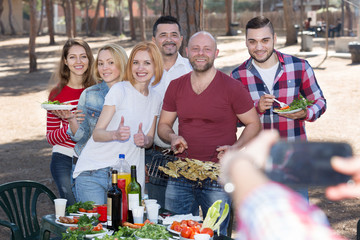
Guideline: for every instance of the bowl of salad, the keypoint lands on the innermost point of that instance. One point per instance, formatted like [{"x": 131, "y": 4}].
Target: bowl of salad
[
  {"x": 152, "y": 231},
  {"x": 83, "y": 208},
  {"x": 296, "y": 105}
]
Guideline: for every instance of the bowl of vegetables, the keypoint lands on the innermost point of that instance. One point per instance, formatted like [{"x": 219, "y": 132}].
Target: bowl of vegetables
[
  {"x": 152, "y": 231},
  {"x": 187, "y": 229},
  {"x": 83, "y": 208}
]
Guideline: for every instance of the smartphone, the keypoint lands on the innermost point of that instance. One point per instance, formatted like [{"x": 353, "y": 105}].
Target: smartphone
[{"x": 306, "y": 163}]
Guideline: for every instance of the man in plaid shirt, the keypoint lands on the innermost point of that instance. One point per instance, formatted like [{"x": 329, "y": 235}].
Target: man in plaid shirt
[{"x": 270, "y": 74}]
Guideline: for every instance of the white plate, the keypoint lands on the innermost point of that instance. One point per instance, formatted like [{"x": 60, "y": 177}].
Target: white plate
[
  {"x": 292, "y": 111},
  {"x": 172, "y": 231},
  {"x": 88, "y": 214},
  {"x": 97, "y": 234},
  {"x": 66, "y": 224},
  {"x": 57, "y": 107}
]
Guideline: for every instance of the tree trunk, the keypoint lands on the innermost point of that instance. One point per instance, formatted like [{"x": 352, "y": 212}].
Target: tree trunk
[
  {"x": 73, "y": 17},
  {"x": 103, "y": 27},
  {"x": 228, "y": 6},
  {"x": 142, "y": 20},
  {"x": 289, "y": 14},
  {"x": 349, "y": 16},
  {"x": 41, "y": 17},
  {"x": 2, "y": 28},
  {"x": 131, "y": 22},
  {"x": 66, "y": 4},
  {"x": 32, "y": 38},
  {"x": 189, "y": 14},
  {"x": 10, "y": 18},
  {"x": 50, "y": 20},
  {"x": 87, "y": 17},
  {"x": 94, "y": 22},
  {"x": 121, "y": 22}
]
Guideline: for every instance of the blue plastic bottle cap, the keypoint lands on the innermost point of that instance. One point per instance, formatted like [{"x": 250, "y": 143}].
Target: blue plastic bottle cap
[{"x": 121, "y": 155}]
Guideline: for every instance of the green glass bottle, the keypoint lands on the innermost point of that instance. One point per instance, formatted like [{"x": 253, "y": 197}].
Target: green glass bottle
[{"x": 134, "y": 193}]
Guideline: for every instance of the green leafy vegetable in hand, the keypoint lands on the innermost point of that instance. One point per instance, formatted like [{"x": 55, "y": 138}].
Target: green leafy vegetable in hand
[
  {"x": 56, "y": 102},
  {"x": 301, "y": 102}
]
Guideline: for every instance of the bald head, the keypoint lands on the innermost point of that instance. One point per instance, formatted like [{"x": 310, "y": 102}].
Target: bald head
[
  {"x": 202, "y": 51},
  {"x": 203, "y": 33}
]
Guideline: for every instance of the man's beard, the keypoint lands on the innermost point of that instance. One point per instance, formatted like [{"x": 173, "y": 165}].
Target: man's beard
[
  {"x": 167, "y": 53},
  {"x": 262, "y": 60},
  {"x": 206, "y": 67}
]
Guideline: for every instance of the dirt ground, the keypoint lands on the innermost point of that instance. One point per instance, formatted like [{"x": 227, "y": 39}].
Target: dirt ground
[{"x": 25, "y": 154}]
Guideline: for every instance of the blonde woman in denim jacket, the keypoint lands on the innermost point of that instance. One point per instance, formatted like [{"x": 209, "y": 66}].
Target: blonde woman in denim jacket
[{"x": 109, "y": 68}]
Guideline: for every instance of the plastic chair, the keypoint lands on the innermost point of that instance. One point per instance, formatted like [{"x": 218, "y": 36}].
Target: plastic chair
[{"x": 18, "y": 201}]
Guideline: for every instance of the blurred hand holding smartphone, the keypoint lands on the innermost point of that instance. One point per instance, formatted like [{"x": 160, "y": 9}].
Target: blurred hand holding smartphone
[{"x": 306, "y": 163}]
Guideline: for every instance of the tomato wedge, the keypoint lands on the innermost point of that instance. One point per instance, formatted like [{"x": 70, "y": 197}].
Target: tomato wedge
[
  {"x": 98, "y": 227},
  {"x": 82, "y": 210},
  {"x": 283, "y": 108}
]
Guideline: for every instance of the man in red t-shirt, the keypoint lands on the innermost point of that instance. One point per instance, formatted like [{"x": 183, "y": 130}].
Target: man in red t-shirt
[{"x": 208, "y": 104}]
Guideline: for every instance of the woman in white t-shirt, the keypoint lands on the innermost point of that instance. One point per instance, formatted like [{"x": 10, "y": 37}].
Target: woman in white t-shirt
[{"x": 126, "y": 125}]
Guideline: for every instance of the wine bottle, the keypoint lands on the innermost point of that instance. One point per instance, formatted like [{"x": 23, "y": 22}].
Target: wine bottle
[
  {"x": 122, "y": 186},
  {"x": 134, "y": 193},
  {"x": 114, "y": 204}
]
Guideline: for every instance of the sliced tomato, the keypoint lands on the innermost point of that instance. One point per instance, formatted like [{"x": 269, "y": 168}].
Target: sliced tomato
[
  {"x": 174, "y": 224},
  {"x": 207, "y": 231},
  {"x": 183, "y": 222},
  {"x": 90, "y": 211},
  {"x": 82, "y": 210},
  {"x": 196, "y": 229},
  {"x": 186, "y": 232},
  {"x": 177, "y": 228},
  {"x": 191, "y": 223},
  {"x": 98, "y": 227}
]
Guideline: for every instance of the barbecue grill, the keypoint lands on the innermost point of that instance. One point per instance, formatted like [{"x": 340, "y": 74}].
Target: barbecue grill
[{"x": 158, "y": 177}]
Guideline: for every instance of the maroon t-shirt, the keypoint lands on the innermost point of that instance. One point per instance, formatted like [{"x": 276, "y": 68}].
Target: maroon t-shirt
[{"x": 207, "y": 120}]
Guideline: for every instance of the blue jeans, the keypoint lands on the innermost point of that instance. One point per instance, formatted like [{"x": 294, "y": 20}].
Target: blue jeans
[
  {"x": 60, "y": 168},
  {"x": 155, "y": 190},
  {"x": 185, "y": 198},
  {"x": 93, "y": 186}
]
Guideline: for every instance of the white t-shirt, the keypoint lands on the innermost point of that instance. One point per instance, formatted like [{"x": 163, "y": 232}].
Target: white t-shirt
[
  {"x": 135, "y": 108},
  {"x": 268, "y": 75},
  {"x": 181, "y": 67}
]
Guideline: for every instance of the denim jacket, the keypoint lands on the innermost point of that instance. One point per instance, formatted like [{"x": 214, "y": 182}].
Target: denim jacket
[{"x": 91, "y": 103}]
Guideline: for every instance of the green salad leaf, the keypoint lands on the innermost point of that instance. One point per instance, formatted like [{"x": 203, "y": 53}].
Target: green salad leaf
[
  {"x": 56, "y": 102},
  {"x": 88, "y": 205},
  {"x": 84, "y": 220},
  {"x": 125, "y": 232},
  {"x": 297, "y": 103},
  {"x": 153, "y": 231}
]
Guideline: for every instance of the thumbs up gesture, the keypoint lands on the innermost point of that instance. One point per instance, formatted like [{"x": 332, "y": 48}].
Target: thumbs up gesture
[
  {"x": 139, "y": 138},
  {"x": 123, "y": 132}
]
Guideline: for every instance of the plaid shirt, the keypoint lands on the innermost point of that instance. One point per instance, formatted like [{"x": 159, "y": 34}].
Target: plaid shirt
[
  {"x": 273, "y": 212},
  {"x": 293, "y": 77}
]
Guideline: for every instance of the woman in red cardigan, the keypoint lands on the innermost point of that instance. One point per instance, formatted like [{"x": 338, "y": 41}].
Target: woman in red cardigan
[{"x": 72, "y": 76}]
